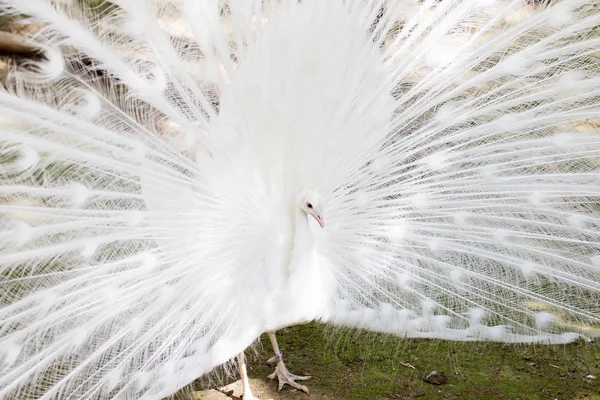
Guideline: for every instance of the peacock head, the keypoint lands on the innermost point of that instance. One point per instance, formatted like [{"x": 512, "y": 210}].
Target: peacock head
[{"x": 310, "y": 203}]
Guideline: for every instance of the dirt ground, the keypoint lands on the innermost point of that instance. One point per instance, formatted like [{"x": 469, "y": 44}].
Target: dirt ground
[{"x": 357, "y": 365}]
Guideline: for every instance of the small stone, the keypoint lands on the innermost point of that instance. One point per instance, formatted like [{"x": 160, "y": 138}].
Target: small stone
[{"x": 436, "y": 378}]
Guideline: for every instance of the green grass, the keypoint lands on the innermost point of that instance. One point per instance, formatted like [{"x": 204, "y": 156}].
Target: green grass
[{"x": 356, "y": 365}]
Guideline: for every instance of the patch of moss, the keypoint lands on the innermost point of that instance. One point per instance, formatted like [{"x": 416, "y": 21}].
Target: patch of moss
[{"x": 357, "y": 365}]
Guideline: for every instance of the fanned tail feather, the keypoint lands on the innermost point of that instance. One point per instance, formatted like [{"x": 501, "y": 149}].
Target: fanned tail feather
[
  {"x": 148, "y": 165},
  {"x": 477, "y": 217}
]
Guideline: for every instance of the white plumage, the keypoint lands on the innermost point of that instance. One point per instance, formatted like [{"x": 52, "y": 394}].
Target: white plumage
[{"x": 165, "y": 169}]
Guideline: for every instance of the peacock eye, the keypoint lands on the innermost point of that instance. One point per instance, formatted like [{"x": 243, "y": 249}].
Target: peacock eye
[{"x": 308, "y": 205}]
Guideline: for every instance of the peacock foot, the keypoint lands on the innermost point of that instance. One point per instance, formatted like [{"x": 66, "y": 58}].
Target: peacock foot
[{"x": 285, "y": 377}]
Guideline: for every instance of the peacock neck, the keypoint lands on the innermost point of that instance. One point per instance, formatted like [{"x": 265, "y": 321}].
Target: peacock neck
[{"x": 303, "y": 237}]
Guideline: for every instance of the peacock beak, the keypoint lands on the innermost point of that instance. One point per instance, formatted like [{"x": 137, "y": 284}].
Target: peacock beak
[{"x": 320, "y": 220}]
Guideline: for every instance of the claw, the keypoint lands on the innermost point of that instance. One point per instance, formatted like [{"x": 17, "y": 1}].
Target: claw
[{"x": 286, "y": 378}]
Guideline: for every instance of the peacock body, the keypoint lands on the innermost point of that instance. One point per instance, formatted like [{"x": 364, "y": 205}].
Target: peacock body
[{"x": 167, "y": 168}]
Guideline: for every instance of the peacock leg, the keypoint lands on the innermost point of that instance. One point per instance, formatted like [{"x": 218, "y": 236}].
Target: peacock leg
[
  {"x": 281, "y": 372},
  {"x": 245, "y": 382}
]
